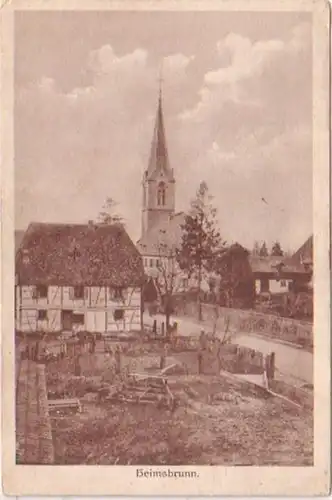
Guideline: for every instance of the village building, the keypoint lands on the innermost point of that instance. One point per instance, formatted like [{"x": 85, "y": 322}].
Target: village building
[
  {"x": 162, "y": 231},
  {"x": 277, "y": 275},
  {"x": 304, "y": 255},
  {"x": 76, "y": 277}
]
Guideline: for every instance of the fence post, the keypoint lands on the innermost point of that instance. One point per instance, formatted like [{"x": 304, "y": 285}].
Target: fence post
[
  {"x": 200, "y": 362},
  {"x": 272, "y": 365}
]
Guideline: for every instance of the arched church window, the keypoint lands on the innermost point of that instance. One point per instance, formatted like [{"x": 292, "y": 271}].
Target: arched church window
[{"x": 161, "y": 194}]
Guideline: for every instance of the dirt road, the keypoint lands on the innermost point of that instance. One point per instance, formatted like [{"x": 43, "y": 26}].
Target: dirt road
[{"x": 290, "y": 361}]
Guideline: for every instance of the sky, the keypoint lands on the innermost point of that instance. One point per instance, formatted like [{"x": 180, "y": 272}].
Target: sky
[{"x": 237, "y": 100}]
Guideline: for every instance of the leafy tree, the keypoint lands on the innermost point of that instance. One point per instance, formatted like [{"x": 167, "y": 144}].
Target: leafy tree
[
  {"x": 108, "y": 215},
  {"x": 276, "y": 250},
  {"x": 200, "y": 239},
  {"x": 263, "y": 252},
  {"x": 235, "y": 275},
  {"x": 256, "y": 248}
]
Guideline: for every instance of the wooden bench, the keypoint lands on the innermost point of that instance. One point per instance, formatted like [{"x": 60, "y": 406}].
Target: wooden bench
[{"x": 64, "y": 404}]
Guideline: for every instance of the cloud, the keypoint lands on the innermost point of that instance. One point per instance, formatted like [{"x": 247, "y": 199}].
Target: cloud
[
  {"x": 82, "y": 145},
  {"x": 248, "y": 63},
  {"x": 46, "y": 84},
  {"x": 247, "y": 128},
  {"x": 175, "y": 65},
  {"x": 247, "y": 58},
  {"x": 105, "y": 61}
]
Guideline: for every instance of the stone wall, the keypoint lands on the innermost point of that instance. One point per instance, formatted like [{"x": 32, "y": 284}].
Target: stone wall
[
  {"x": 33, "y": 426},
  {"x": 249, "y": 321}
]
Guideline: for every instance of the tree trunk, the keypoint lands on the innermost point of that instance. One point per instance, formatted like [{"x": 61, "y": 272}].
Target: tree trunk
[
  {"x": 199, "y": 302},
  {"x": 142, "y": 310}
]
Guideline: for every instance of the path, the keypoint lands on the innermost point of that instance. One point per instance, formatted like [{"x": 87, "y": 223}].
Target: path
[{"x": 290, "y": 361}]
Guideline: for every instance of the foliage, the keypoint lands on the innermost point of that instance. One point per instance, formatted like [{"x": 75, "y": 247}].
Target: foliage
[
  {"x": 256, "y": 249},
  {"x": 277, "y": 250},
  {"x": 235, "y": 275},
  {"x": 200, "y": 237},
  {"x": 107, "y": 214},
  {"x": 263, "y": 252}
]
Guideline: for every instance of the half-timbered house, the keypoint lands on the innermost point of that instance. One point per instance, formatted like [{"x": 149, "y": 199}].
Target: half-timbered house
[{"x": 73, "y": 277}]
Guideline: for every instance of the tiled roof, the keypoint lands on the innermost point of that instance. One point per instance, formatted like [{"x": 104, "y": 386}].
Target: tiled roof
[
  {"x": 234, "y": 248},
  {"x": 77, "y": 254},
  {"x": 168, "y": 233},
  {"x": 270, "y": 265},
  {"x": 305, "y": 252}
]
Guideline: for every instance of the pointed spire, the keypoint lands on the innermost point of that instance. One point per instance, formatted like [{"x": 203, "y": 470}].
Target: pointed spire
[
  {"x": 160, "y": 81},
  {"x": 159, "y": 155}
]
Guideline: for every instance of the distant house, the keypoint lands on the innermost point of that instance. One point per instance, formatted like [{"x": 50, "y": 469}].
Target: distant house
[
  {"x": 277, "y": 275},
  {"x": 78, "y": 277}
]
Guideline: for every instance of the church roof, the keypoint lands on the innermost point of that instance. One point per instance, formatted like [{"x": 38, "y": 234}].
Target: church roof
[
  {"x": 159, "y": 161},
  {"x": 167, "y": 233},
  {"x": 305, "y": 253}
]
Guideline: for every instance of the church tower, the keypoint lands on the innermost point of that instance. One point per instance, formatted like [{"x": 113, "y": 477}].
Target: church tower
[{"x": 158, "y": 180}]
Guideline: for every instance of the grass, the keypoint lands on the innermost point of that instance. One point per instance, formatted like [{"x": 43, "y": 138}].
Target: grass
[{"x": 216, "y": 423}]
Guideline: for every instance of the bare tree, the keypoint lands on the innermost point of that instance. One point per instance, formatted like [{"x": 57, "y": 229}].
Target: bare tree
[
  {"x": 108, "y": 215},
  {"x": 227, "y": 321},
  {"x": 167, "y": 281}
]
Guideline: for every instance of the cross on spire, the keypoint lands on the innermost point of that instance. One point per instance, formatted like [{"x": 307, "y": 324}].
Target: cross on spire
[{"x": 160, "y": 79}]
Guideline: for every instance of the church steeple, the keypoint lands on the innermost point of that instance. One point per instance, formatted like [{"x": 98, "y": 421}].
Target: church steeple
[
  {"x": 159, "y": 160},
  {"x": 158, "y": 180}
]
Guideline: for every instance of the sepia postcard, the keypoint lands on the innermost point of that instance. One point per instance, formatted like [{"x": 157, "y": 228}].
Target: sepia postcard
[{"x": 165, "y": 256}]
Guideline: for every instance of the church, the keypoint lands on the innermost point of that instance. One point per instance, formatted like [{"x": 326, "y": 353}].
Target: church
[{"x": 160, "y": 224}]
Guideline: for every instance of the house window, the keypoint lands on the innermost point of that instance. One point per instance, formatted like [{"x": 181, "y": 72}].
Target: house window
[
  {"x": 283, "y": 283},
  {"x": 184, "y": 283},
  {"x": 151, "y": 262},
  {"x": 116, "y": 293},
  {"x": 118, "y": 314},
  {"x": 161, "y": 194},
  {"x": 42, "y": 315},
  {"x": 265, "y": 286},
  {"x": 78, "y": 292},
  {"x": 157, "y": 262},
  {"x": 40, "y": 292},
  {"x": 77, "y": 319}
]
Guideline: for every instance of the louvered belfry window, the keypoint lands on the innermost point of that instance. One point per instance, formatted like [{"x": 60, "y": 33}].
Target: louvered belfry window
[{"x": 161, "y": 194}]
